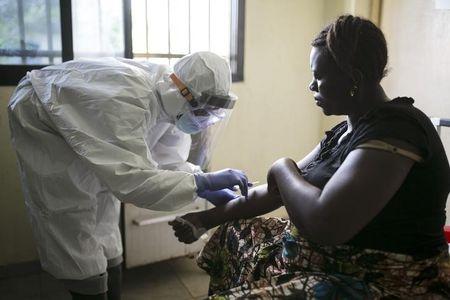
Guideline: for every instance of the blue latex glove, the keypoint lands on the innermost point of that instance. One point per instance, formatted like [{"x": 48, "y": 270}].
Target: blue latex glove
[
  {"x": 219, "y": 197},
  {"x": 222, "y": 179}
]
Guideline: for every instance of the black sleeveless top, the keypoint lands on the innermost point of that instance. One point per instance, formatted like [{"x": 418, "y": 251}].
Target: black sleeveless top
[{"x": 412, "y": 221}]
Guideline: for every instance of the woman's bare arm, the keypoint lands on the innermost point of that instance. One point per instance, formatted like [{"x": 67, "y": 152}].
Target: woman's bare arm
[
  {"x": 354, "y": 195},
  {"x": 309, "y": 158},
  {"x": 259, "y": 202}
]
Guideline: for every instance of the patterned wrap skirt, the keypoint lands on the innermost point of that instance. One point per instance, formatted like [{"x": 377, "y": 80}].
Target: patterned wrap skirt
[{"x": 266, "y": 258}]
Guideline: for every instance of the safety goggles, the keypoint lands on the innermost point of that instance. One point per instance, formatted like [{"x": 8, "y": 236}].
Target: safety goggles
[
  {"x": 205, "y": 99},
  {"x": 204, "y": 120},
  {"x": 203, "y": 117},
  {"x": 209, "y": 111}
]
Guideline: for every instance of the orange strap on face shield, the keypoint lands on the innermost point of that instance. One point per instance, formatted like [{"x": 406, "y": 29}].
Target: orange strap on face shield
[{"x": 183, "y": 88}]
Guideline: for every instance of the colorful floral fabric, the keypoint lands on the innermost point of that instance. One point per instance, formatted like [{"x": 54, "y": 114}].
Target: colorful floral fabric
[{"x": 266, "y": 258}]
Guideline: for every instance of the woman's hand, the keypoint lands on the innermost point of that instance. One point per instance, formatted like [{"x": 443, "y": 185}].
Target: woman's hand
[{"x": 275, "y": 171}]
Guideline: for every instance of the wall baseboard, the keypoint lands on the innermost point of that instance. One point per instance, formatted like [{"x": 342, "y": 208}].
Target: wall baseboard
[{"x": 20, "y": 269}]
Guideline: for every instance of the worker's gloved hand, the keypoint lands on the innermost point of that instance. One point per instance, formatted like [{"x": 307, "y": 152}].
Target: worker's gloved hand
[
  {"x": 222, "y": 179},
  {"x": 219, "y": 197}
]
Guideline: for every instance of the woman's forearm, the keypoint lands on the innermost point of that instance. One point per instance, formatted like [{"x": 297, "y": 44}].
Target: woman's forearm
[
  {"x": 258, "y": 203},
  {"x": 300, "y": 198}
]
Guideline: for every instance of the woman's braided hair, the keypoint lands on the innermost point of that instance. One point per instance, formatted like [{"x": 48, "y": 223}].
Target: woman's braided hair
[{"x": 355, "y": 43}]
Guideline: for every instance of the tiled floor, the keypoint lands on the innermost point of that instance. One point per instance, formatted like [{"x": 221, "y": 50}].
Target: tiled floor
[{"x": 178, "y": 279}]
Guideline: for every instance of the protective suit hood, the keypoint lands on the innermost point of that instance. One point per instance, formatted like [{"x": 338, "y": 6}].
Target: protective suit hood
[
  {"x": 204, "y": 72},
  {"x": 172, "y": 102},
  {"x": 201, "y": 72}
]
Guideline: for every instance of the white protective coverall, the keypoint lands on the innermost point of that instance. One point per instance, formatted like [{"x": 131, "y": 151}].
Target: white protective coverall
[{"x": 89, "y": 133}]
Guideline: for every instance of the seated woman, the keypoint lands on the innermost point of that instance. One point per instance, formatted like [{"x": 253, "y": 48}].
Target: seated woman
[{"x": 366, "y": 207}]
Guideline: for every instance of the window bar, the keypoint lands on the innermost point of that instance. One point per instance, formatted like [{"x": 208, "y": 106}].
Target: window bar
[
  {"x": 158, "y": 55},
  {"x": 209, "y": 25},
  {"x": 168, "y": 26},
  {"x": 128, "y": 53},
  {"x": 189, "y": 26},
  {"x": 237, "y": 37},
  {"x": 49, "y": 31},
  {"x": 100, "y": 31},
  {"x": 66, "y": 29},
  {"x": 146, "y": 27},
  {"x": 21, "y": 29}
]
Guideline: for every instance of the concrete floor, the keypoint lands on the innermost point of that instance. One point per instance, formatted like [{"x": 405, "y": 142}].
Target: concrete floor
[
  {"x": 175, "y": 279},
  {"x": 178, "y": 279}
]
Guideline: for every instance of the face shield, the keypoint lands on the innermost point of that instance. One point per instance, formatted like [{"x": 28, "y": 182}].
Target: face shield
[
  {"x": 203, "y": 116},
  {"x": 201, "y": 111},
  {"x": 204, "y": 111},
  {"x": 204, "y": 142}
]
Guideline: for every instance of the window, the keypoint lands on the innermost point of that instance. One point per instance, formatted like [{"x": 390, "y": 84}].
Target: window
[
  {"x": 98, "y": 28},
  {"x": 166, "y": 30},
  {"x": 39, "y": 21},
  {"x": 36, "y": 33}
]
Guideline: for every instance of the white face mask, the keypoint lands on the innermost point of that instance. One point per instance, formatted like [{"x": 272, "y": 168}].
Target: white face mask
[{"x": 188, "y": 124}]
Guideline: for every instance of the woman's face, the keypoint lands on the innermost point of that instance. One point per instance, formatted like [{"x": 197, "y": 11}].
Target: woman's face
[{"x": 331, "y": 86}]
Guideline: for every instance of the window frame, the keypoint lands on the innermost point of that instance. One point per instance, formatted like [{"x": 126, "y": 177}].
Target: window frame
[
  {"x": 237, "y": 40},
  {"x": 10, "y": 75}
]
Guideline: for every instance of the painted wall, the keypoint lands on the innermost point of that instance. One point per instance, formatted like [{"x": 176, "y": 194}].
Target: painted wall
[
  {"x": 418, "y": 37},
  {"x": 15, "y": 233},
  {"x": 275, "y": 116}
]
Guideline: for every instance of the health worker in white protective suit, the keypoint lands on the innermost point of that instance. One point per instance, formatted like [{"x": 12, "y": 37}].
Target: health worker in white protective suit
[{"x": 91, "y": 133}]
